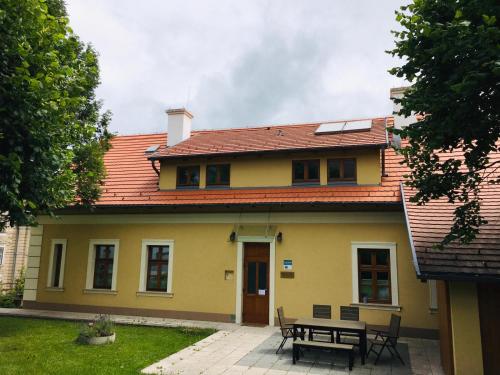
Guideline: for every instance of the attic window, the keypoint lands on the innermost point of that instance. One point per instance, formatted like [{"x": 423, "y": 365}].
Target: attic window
[
  {"x": 188, "y": 177},
  {"x": 218, "y": 175},
  {"x": 305, "y": 171},
  {"x": 340, "y": 170}
]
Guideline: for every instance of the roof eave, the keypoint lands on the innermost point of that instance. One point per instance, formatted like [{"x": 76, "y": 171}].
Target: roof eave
[
  {"x": 455, "y": 276},
  {"x": 244, "y": 153},
  {"x": 410, "y": 236},
  {"x": 290, "y": 205}
]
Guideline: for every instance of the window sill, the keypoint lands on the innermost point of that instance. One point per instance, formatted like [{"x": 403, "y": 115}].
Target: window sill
[
  {"x": 342, "y": 183},
  {"x": 217, "y": 187},
  {"x": 377, "y": 306},
  {"x": 54, "y": 289},
  {"x": 301, "y": 184},
  {"x": 100, "y": 291},
  {"x": 154, "y": 294}
]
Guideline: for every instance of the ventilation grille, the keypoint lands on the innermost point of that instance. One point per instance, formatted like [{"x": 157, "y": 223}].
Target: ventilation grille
[
  {"x": 322, "y": 311},
  {"x": 349, "y": 313}
]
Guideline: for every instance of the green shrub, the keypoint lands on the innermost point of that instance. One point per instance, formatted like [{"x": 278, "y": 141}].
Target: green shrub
[
  {"x": 14, "y": 296},
  {"x": 8, "y": 299}
]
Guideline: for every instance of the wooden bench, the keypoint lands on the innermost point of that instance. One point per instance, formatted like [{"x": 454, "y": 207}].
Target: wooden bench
[{"x": 323, "y": 346}]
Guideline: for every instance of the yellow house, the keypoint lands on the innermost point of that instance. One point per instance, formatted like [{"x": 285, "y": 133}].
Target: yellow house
[{"x": 228, "y": 225}]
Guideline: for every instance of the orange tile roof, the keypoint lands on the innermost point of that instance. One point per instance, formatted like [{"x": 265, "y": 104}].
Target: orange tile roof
[
  {"x": 428, "y": 224},
  {"x": 131, "y": 180},
  {"x": 272, "y": 138}
]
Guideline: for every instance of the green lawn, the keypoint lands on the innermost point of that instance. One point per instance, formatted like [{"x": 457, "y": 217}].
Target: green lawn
[{"x": 39, "y": 346}]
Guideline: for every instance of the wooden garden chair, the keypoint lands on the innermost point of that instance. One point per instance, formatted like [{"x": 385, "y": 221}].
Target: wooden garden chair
[
  {"x": 286, "y": 329},
  {"x": 387, "y": 339}
]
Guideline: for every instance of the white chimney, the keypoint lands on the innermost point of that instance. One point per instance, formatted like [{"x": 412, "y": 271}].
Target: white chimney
[
  {"x": 179, "y": 125},
  {"x": 400, "y": 121}
]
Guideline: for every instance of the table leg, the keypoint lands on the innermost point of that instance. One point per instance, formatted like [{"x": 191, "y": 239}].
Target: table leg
[
  {"x": 363, "y": 346},
  {"x": 294, "y": 333}
]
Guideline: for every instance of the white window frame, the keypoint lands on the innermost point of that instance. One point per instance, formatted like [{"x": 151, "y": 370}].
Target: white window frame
[
  {"x": 51, "y": 274},
  {"x": 2, "y": 251},
  {"x": 91, "y": 262},
  {"x": 391, "y": 246},
  {"x": 433, "y": 300},
  {"x": 144, "y": 265}
]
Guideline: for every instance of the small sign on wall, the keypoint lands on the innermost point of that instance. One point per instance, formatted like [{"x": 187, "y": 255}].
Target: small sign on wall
[{"x": 287, "y": 264}]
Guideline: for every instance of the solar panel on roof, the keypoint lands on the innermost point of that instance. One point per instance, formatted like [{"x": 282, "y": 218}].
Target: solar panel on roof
[
  {"x": 347, "y": 126},
  {"x": 152, "y": 148}
]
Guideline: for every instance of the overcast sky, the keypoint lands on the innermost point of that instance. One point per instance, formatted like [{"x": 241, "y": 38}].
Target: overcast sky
[{"x": 239, "y": 63}]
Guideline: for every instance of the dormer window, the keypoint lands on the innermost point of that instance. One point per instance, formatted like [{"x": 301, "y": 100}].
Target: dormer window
[
  {"x": 218, "y": 175},
  {"x": 305, "y": 171},
  {"x": 342, "y": 170},
  {"x": 188, "y": 177}
]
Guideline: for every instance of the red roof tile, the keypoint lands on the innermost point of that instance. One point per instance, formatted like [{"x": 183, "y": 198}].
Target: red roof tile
[
  {"x": 429, "y": 224},
  {"x": 272, "y": 138},
  {"x": 131, "y": 180}
]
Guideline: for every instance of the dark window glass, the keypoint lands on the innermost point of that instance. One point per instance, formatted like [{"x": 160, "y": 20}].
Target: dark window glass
[
  {"x": 365, "y": 257},
  {"x": 313, "y": 171},
  {"x": 188, "y": 176},
  {"x": 218, "y": 175},
  {"x": 103, "y": 269},
  {"x": 262, "y": 275},
  {"x": 252, "y": 278},
  {"x": 157, "y": 276},
  {"x": 382, "y": 257},
  {"x": 374, "y": 276},
  {"x": 298, "y": 170},
  {"x": 341, "y": 170},
  {"x": 350, "y": 169},
  {"x": 305, "y": 171},
  {"x": 58, "y": 249},
  {"x": 333, "y": 169}
]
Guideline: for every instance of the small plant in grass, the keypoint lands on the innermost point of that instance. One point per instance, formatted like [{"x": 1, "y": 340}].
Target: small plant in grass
[{"x": 99, "y": 331}]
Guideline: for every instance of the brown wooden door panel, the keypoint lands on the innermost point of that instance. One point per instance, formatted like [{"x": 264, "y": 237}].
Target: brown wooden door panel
[
  {"x": 445, "y": 339},
  {"x": 256, "y": 283},
  {"x": 489, "y": 316}
]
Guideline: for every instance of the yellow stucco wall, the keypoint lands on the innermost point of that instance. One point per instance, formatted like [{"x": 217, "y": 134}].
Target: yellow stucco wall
[
  {"x": 276, "y": 170},
  {"x": 321, "y": 255},
  {"x": 466, "y": 332}
]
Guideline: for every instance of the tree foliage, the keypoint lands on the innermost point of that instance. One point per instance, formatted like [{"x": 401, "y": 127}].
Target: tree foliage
[
  {"x": 451, "y": 51},
  {"x": 52, "y": 135}
]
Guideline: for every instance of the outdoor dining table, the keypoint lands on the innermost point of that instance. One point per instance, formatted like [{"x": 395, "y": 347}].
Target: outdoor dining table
[{"x": 332, "y": 326}]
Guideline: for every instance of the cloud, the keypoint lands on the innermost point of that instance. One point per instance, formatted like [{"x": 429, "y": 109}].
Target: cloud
[{"x": 239, "y": 63}]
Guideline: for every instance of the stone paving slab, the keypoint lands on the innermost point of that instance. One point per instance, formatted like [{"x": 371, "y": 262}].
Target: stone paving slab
[{"x": 251, "y": 350}]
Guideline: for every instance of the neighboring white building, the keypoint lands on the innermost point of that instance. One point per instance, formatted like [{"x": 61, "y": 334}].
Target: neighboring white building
[{"x": 14, "y": 243}]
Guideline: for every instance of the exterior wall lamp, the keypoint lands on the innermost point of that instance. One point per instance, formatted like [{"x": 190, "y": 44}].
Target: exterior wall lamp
[
  {"x": 232, "y": 236},
  {"x": 279, "y": 237}
]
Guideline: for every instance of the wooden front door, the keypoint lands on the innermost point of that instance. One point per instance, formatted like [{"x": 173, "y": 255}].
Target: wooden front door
[
  {"x": 256, "y": 283},
  {"x": 489, "y": 312}
]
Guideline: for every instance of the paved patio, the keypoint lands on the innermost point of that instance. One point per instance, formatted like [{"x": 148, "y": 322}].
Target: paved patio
[
  {"x": 238, "y": 349},
  {"x": 251, "y": 350}
]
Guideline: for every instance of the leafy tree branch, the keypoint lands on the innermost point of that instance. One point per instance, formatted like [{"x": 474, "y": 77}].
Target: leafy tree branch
[
  {"x": 52, "y": 134},
  {"x": 451, "y": 54}
]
